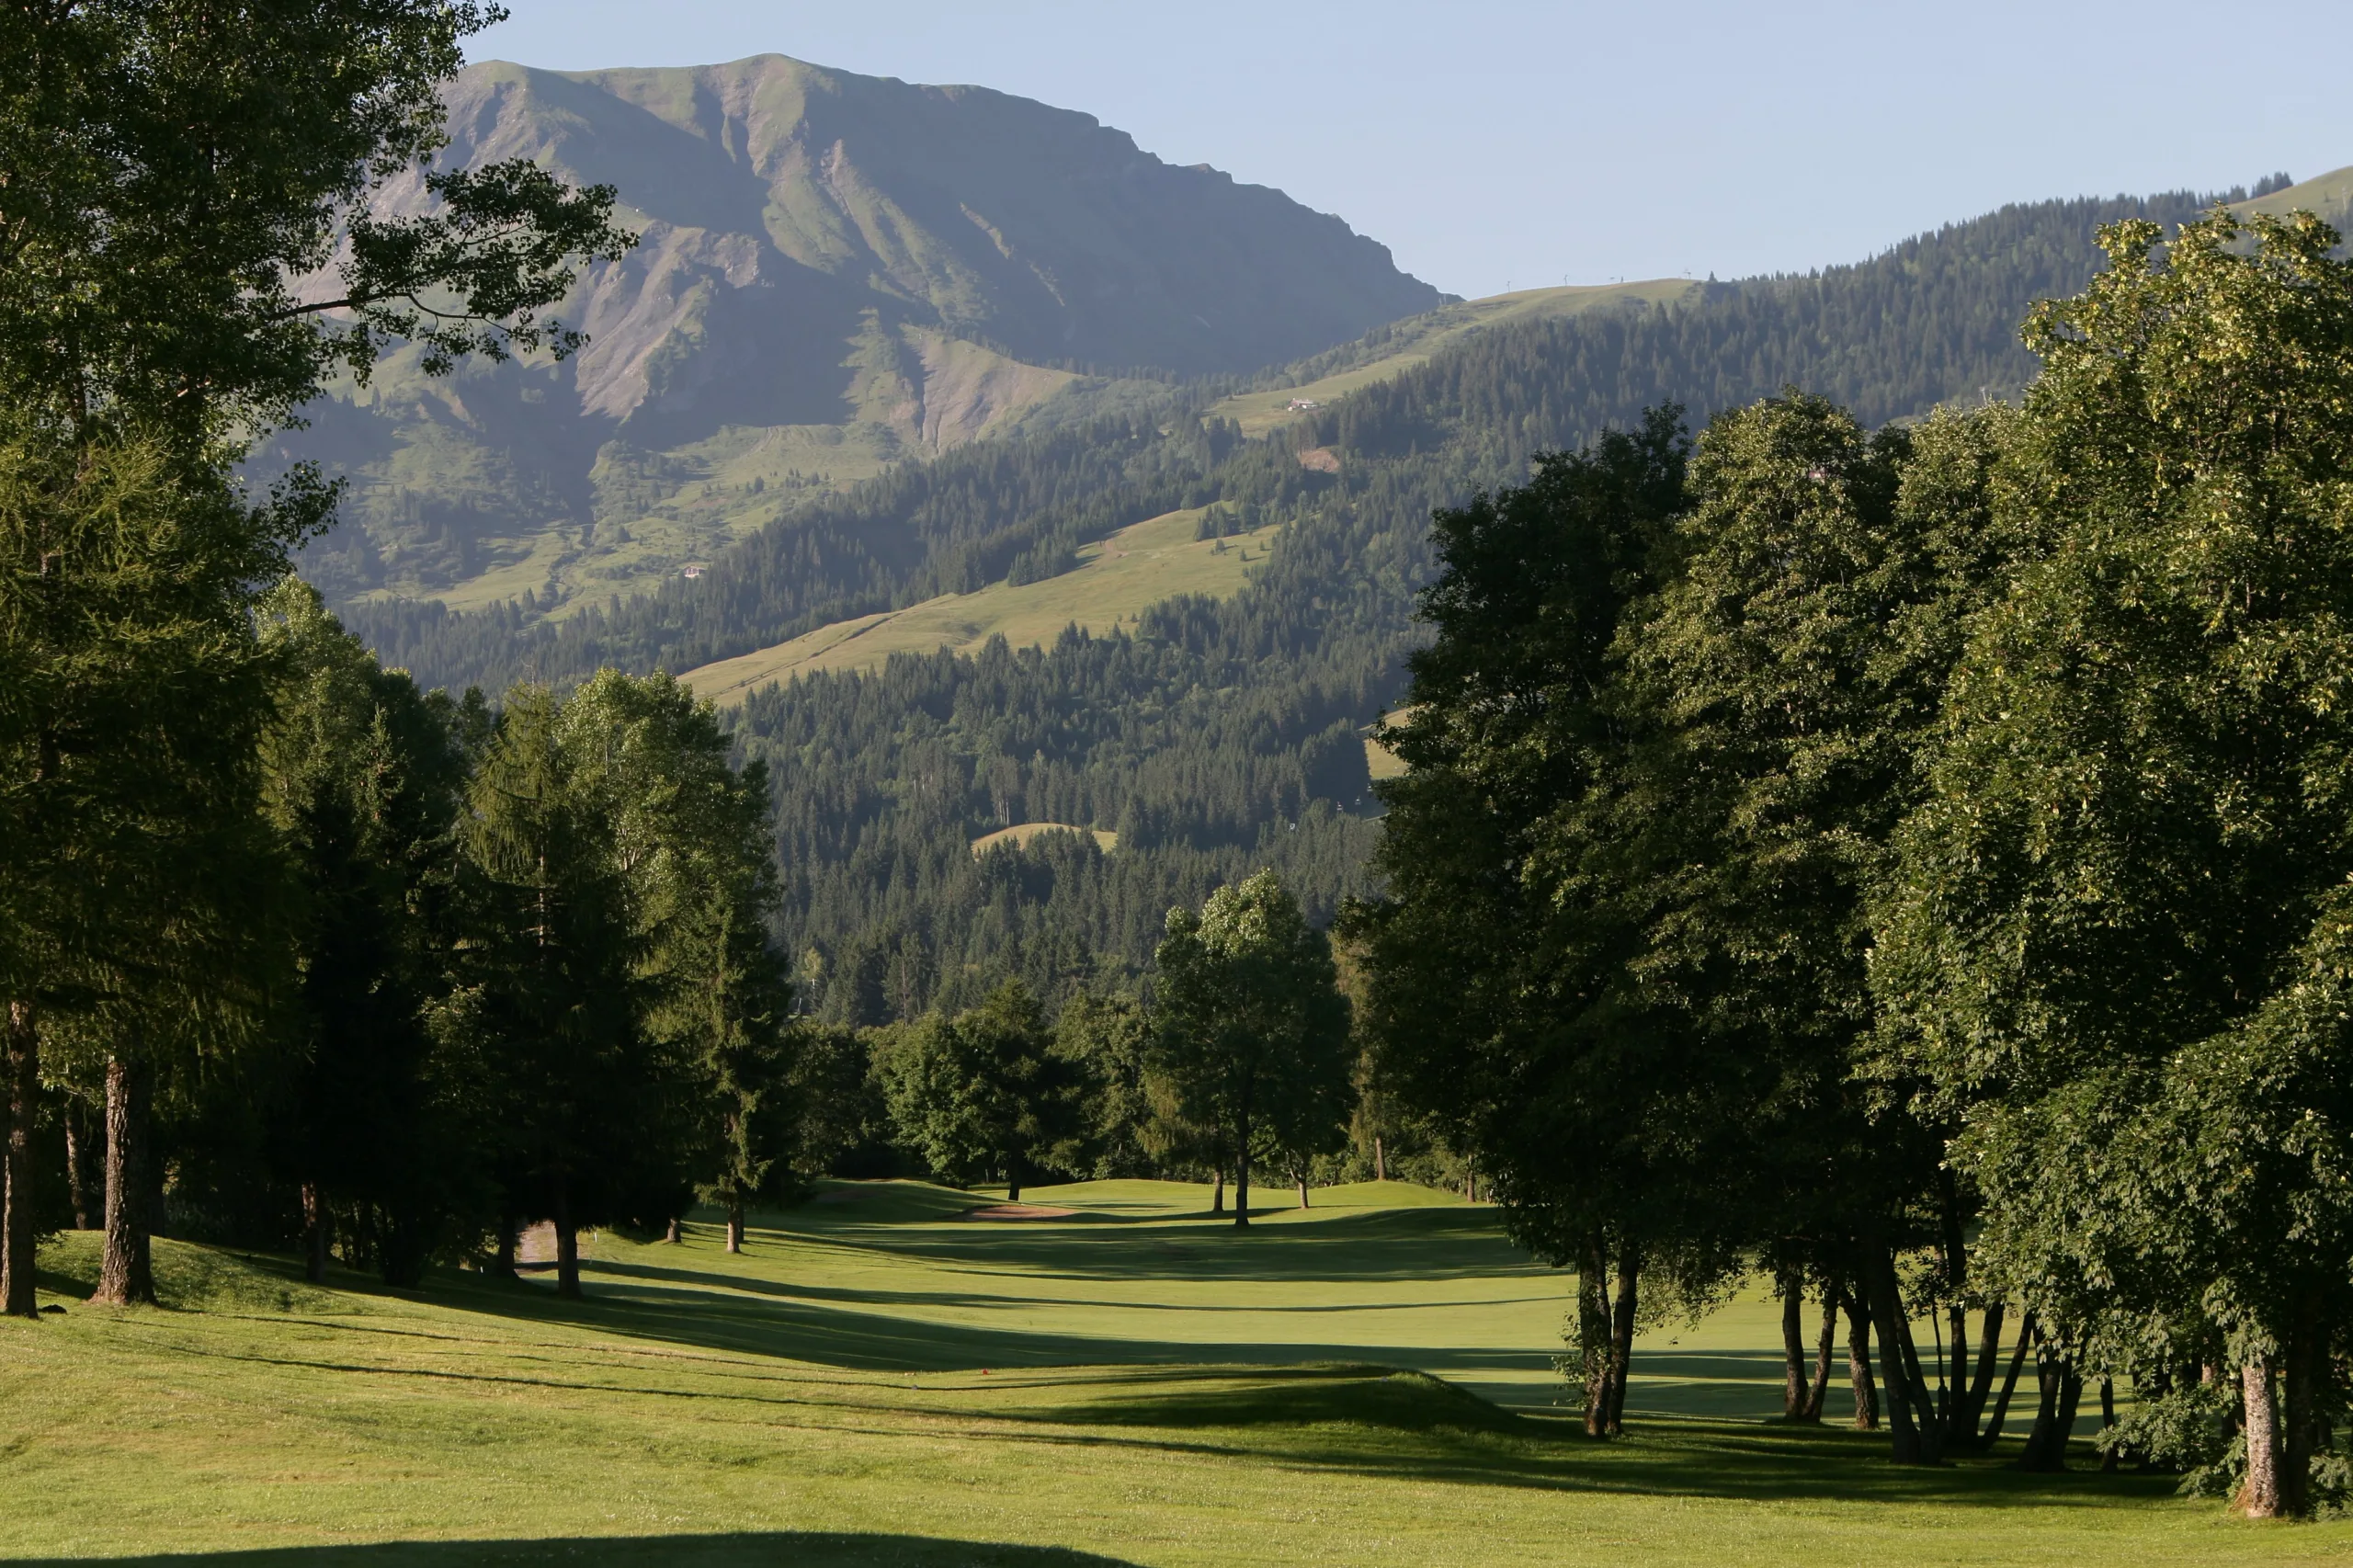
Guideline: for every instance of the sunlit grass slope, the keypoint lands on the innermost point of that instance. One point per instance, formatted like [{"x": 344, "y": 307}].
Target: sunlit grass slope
[
  {"x": 1116, "y": 580},
  {"x": 1413, "y": 341},
  {"x": 880, "y": 1380}
]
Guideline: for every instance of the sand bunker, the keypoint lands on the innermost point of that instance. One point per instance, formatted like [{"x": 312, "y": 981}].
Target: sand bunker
[{"x": 1016, "y": 1211}]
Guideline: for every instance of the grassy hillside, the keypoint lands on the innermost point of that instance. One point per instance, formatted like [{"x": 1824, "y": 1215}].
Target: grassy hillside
[
  {"x": 1116, "y": 580},
  {"x": 1394, "y": 350},
  {"x": 834, "y": 273},
  {"x": 1023, "y": 835},
  {"x": 2328, "y": 196},
  {"x": 880, "y": 1381}
]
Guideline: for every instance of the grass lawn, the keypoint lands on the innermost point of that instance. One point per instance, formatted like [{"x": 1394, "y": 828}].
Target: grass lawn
[{"x": 879, "y": 1381}]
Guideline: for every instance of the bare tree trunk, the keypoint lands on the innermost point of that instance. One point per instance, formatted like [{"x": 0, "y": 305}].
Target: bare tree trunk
[
  {"x": 1794, "y": 1387},
  {"x": 1592, "y": 1334},
  {"x": 2261, "y": 1497},
  {"x": 1910, "y": 1422},
  {"x": 1217, "y": 1194},
  {"x": 1621, "y": 1334},
  {"x": 1859, "y": 1366},
  {"x": 16, "y": 1228},
  {"x": 314, "y": 1234},
  {"x": 77, "y": 1161},
  {"x": 671, "y": 1235},
  {"x": 1379, "y": 1165},
  {"x": 1981, "y": 1386},
  {"x": 567, "y": 1245},
  {"x": 1820, "y": 1391},
  {"x": 1993, "y": 1432},
  {"x": 2054, "y": 1417},
  {"x": 1302, "y": 1187},
  {"x": 734, "y": 1222},
  {"x": 127, "y": 1272}
]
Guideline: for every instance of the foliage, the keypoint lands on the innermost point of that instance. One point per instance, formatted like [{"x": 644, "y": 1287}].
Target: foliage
[
  {"x": 1253, "y": 1032},
  {"x": 984, "y": 1091}
]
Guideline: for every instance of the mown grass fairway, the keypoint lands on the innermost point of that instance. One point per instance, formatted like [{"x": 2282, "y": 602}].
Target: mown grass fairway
[{"x": 880, "y": 1381}]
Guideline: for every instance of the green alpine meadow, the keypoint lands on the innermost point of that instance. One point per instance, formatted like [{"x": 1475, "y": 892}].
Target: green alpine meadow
[{"x": 755, "y": 815}]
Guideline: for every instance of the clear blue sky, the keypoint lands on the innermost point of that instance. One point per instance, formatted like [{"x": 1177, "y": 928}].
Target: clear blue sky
[{"x": 1490, "y": 142}]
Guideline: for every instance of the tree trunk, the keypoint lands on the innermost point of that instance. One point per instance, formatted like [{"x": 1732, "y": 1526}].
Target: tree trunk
[
  {"x": 1859, "y": 1366},
  {"x": 1981, "y": 1386},
  {"x": 1380, "y": 1167},
  {"x": 671, "y": 1236},
  {"x": 77, "y": 1161},
  {"x": 127, "y": 1272},
  {"x": 1993, "y": 1432},
  {"x": 734, "y": 1223},
  {"x": 1909, "y": 1425},
  {"x": 314, "y": 1234},
  {"x": 1621, "y": 1335},
  {"x": 1242, "y": 1171},
  {"x": 501, "y": 1261},
  {"x": 2262, "y": 1495},
  {"x": 2055, "y": 1415},
  {"x": 1793, "y": 1379},
  {"x": 1592, "y": 1334},
  {"x": 17, "y": 1226},
  {"x": 1303, "y": 1189},
  {"x": 1858, "y": 1363},
  {"x": 1820, "y": 1391},
  {"x": 1013, "y": 1179},
  {"x": 567, "y": 1245},
  {"x": 1217, "y": 1194}
]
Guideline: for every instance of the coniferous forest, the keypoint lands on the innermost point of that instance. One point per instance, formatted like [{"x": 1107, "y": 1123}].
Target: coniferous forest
[{"x": 1873, "y": 815}]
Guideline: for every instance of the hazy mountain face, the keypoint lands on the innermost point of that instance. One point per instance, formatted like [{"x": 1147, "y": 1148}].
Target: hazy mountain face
[{"x": 836, "y": 271}]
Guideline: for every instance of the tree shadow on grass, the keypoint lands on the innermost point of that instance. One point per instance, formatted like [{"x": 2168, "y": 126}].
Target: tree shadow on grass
[
  {"x": 1408, "y": 1426},
  {"x": 785, "y": 1548}
]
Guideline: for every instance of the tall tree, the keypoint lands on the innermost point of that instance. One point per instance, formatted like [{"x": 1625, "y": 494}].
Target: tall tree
[
  {"x": 1498, "y": 998},
  {"x": 984, "y": 1091},
  {"x": 362, "y": 776},
  {"x": 1255, "y": 1034},
  {"x": 134, "y": 695},
  {"x": 2117, "y": 904},
  {"x": 188, "y": 248},
  {"x": 586, "y": 1119},
  {"x": 692, "y": 839}
]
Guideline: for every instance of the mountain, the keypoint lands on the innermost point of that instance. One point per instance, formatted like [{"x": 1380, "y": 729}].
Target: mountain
[
  {"x": 834, "y": 273},
  {"x": 1011, "y": 682}
]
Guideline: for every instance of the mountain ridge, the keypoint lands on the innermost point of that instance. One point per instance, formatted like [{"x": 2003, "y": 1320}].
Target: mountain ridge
[{"x": 835, "y": 273}]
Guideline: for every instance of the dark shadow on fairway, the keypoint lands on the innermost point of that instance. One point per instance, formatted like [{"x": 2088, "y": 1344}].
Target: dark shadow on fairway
[
  {"x": 1397, "y": 1426},
  {"x": 785, "y": 1549}
]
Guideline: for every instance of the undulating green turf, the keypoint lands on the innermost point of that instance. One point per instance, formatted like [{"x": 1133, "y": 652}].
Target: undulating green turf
[{"x": 880, "y": 1380}]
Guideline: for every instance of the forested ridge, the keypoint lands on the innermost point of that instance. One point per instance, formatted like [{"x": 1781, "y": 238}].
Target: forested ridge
[{"x": 1214, "y": 735}]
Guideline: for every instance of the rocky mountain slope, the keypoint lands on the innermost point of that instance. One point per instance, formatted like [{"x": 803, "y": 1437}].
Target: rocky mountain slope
[{"x": 837, "y": 272}]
